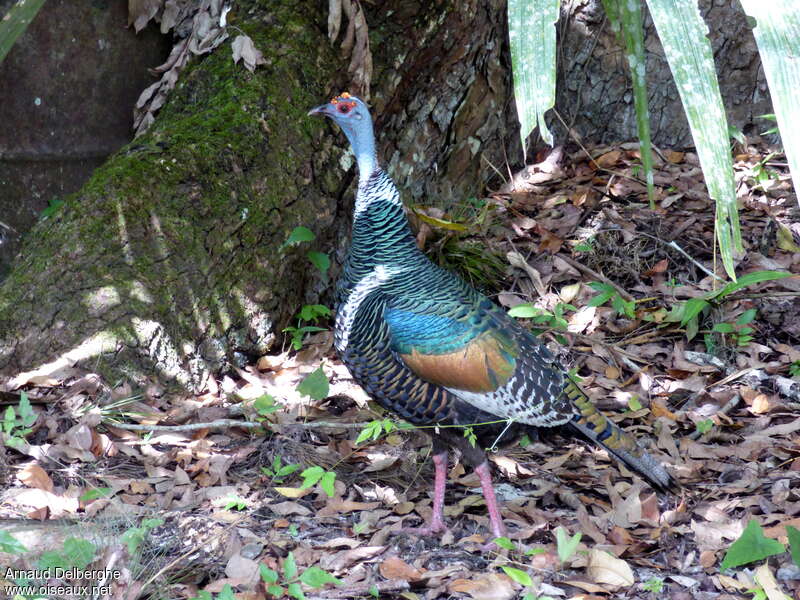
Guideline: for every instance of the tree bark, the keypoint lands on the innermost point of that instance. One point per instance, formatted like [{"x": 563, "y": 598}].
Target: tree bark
[{"x": 169, "y": 264}]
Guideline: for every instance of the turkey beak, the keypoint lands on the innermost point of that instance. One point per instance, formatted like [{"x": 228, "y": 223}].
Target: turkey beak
[{"x": 323, "y": 110}]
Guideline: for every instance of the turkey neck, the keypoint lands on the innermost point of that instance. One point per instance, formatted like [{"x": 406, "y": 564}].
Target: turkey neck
[{"x": 381, "y": 234}]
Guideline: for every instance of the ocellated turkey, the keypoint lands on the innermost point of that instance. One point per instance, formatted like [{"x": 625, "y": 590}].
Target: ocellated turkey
[{"x": 429, "y": 347}]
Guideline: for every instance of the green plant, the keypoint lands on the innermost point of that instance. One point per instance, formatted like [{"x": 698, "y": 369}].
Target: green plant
[
  {"x": 234, "y": 503},
  {"x": 134, "y": 536},
  {"x": 18, "y": 423},
  {"x": 608, "y": 292},
  {"x": 772, "y": 119},
  {"x": 277, "y": 471},
  {"x": 739, "y": 332},
  {"x": 552, "y": 320},
  {"x": 9, "y": 544},
  {"x": 794, "y": 369},
  {"x": 469, "y": 434},
  {"x": 566, "y": 546},
  {"x": 309, "y": 313},
  {"x": 761, "y": 175},
  {"x": 265, "y": 405},
  {"x": 688, "y": 313},
  {"x": 654, "y": 585},
  {"x": 586, "y": 245},
  {"x": 374, "y": 429},
  {"x": 704, "y": 426},
  {"x": 314, "y": 475},
  {"x": 291, "y": 578},
  {"x": 315, "y": 385},
  {"x": 15, "y": 22},
  {"x": 53, "y": 206},
  {"x": 751, "y": 546},
  {"x": 225, "y": 594},
  {"x": 76, "y": 552}
]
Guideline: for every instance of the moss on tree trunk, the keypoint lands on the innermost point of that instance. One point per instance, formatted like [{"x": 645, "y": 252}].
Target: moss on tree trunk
[{"x": 168, "y": 261}]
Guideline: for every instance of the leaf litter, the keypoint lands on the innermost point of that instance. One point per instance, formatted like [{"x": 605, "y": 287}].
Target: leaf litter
[{"x": 723, "y": 414}]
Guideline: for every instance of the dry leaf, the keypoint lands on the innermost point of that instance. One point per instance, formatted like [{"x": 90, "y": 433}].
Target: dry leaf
[
  {"x": 490, "y": 587},
  {"x": 766, "y": 580},
  {"x": 293, "y": 492},
  {"x": 36, "y": 477},
  {"x": 608, "y": 159},
  {"x": 395, "y": 568},
  {"x": 244, "y": 49},
  {"x": 606, "y": 569}
]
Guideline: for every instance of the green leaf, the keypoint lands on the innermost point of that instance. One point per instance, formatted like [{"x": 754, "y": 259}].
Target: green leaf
[
  {"x": 517, "y": 575},
  {"x": 747, "y": 280},
  {"x": 723, "y": 328},
  {"x": 319, "y": 260},
  {"x": 532, "y": 37},
  {"x": 312, "y": 312},
  {"x": 15, "y": 22},
  {"x": 275, "y": 591},
  {"x": 299, "y": 235},
  {"x": 95, "y": 493},
  {"x": 626, "y": 21},
  {"x": 9, "y": 544},
  {"x": 26, "y": 413},
  {"x": 287, "y": 470},
  {"x": 80, "y": 551},
  {"x": 226, "y": 593},
  {"x": 311, "y": 476},
  {"x": 315, "y": 385},
  {"x": 794, "y": 543},
  {"x": 751, "y": 546},
  {"x": 684, "y": 37},
  {"x": 295, "y": 591},
  {"x": 704, "y": 426},
  {"x": 525, "y": 311},
  {"x": 326, "y": 483},
  {"x": 265, "y": 404},
  {"x": 504, "y": 542},
  {"x": 315, "y": 577},
  {"x": 289, "y": 567},
  {"x": 634, "y": 404},
  {"x": 371, "y": 431},
  {"x": 565, "y": 545},
  {"x": 777, "y": 34}
]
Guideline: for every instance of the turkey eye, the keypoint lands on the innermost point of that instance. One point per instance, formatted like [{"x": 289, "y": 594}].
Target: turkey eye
[{"x": 343, "y": 108}]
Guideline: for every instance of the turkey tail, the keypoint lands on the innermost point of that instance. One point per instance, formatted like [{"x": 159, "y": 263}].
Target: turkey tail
[{"x": 590, "y": 423}]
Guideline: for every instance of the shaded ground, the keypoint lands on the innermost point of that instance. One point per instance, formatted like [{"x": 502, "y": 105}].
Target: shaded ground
[{"x": 721, "y": 408}]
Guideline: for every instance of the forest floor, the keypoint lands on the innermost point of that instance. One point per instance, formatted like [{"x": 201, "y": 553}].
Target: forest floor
[{"x": 714, "y": 393}]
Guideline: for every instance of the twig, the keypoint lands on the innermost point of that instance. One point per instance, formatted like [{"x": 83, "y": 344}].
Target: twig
[
  {"x": 762, "y": 295},
  {"x": 221, "y": 423},
  {"x": 672, "y": 244},
  {"x": 574, "y": 263},
  {"x": 383, "y": 587},
  {"x": 224, "y": 423}
]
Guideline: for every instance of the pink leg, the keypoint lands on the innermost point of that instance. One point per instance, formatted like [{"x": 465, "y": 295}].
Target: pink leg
[
  {"x": 440, "y": 480},
  {"x": 498, "y": 529}
]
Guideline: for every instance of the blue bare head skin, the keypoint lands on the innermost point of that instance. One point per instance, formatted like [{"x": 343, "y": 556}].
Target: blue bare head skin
[{"x": 352, "y": 115}]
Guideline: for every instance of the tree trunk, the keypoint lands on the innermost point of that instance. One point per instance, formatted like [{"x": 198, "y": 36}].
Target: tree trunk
[{"x": 169, "y": 263}]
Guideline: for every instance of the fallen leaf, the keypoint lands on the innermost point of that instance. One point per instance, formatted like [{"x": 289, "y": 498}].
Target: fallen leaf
[
  {"x": 293, "y": 492},
  {"x": 606, "y": 569},
  {"x": 35, "y": 476},
  {"x": 395, "y": 568},
  {"x": 766, "y": 580},
  {"x": 490, "y": 587}
]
